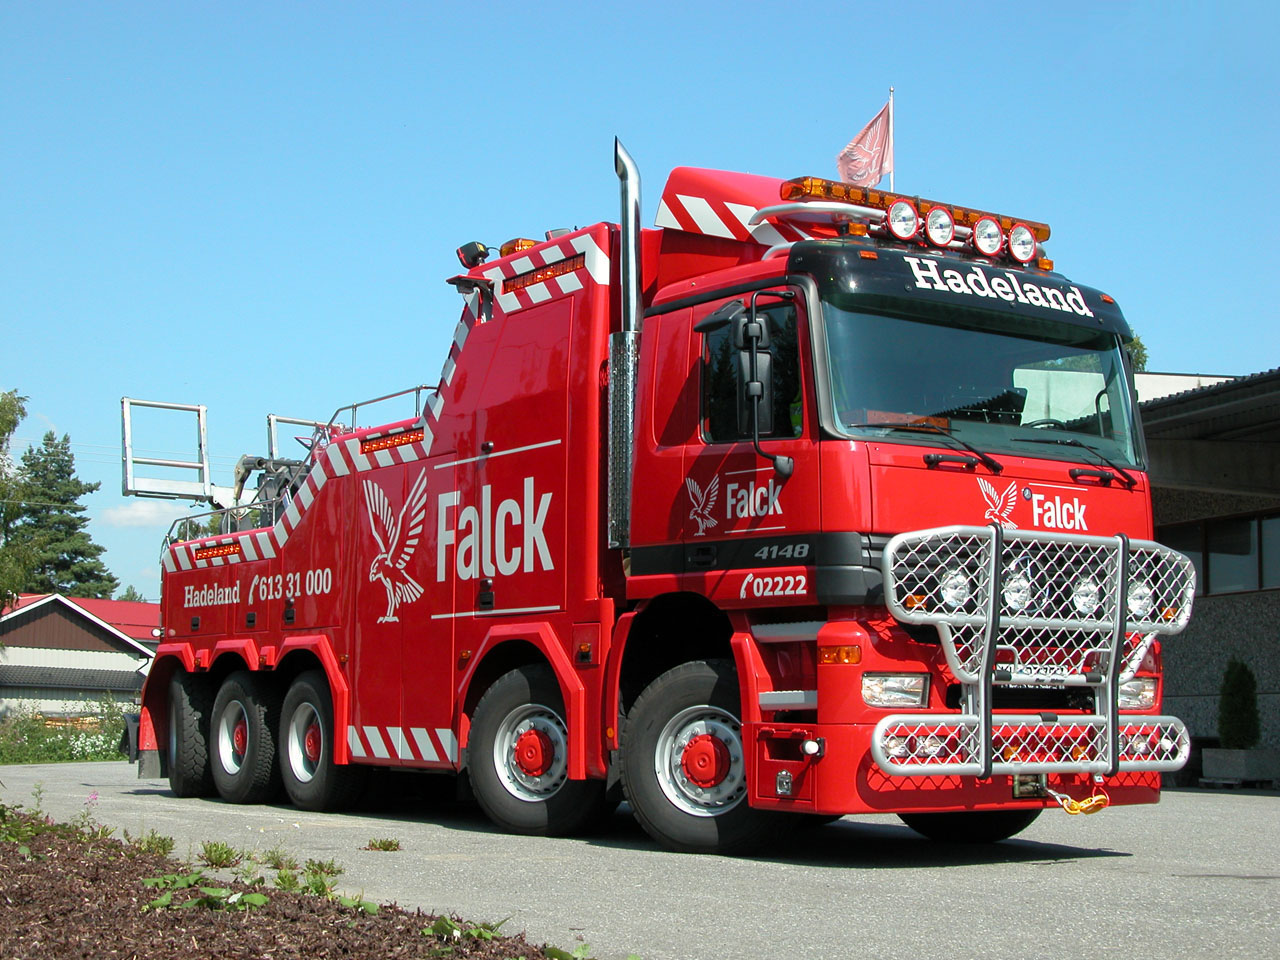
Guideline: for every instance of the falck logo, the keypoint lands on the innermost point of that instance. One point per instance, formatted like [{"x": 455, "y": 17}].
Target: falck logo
[
  {"x": 703, "y": 503},
  {"x": 1000, "y": 505},
  {"x": 397, "y": 540}
]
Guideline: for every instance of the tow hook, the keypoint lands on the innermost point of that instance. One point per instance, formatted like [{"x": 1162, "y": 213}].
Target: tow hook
[{"x": 1091, "y": 804}]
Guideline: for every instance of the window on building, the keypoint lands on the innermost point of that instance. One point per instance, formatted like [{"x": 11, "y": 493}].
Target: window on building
[{"x": 1231, "y": 554}]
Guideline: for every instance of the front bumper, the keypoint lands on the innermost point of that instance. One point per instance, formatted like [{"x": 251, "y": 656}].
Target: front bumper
[{"x": 1034, "y": 609}]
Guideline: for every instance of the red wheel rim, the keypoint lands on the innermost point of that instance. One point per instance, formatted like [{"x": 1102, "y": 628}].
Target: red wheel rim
[
  {"x": 311, "y": 743},
  {"x": 534, "y": 752},
  {"x": 240, "y": 737},
  {"x": 705, "y": 761}
]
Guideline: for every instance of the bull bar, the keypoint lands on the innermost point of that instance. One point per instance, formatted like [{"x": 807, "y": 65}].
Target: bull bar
[{"x": 1034, "y": 609}]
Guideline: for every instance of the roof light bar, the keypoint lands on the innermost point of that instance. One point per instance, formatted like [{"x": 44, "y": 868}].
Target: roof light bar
[{"x": 815, "y": 188}]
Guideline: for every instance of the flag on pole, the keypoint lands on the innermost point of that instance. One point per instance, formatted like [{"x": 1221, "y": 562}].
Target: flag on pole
[{"x": 869, "y": 155}]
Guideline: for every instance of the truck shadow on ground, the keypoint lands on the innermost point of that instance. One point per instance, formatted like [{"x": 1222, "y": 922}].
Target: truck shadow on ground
[{"x": 880, "y": 843}]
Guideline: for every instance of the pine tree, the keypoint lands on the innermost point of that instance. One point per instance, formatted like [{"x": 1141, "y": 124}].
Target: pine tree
[
  {"x": 66, "y": 558},
  {"x": 132, "y": 595}
]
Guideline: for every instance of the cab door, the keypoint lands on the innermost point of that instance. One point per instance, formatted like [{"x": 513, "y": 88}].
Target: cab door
[{"x": 749, "y": 529}]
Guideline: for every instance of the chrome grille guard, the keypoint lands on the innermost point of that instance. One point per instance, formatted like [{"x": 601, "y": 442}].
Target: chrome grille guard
[{"x": 1030, "y": 608}]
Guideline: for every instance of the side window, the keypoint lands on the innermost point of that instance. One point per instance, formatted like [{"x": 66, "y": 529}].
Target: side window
[{"x": 721, "y": 363}]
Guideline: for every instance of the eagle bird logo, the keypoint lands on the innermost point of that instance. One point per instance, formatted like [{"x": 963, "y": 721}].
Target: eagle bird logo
[
  {"x": 397, "y": 540},
  {"x": 703, "y": 503},
  {"x": 1000, "y": 505}
]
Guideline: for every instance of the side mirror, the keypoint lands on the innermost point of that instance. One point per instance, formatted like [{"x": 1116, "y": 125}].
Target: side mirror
[{"x": 761, "y": 386}]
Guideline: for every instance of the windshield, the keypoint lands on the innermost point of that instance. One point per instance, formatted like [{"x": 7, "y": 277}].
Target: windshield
[{"x": 1029, "y": 388}]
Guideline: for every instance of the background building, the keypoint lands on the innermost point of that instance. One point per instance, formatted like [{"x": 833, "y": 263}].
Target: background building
[
  {"x": 56, "y": 652},
  {"x": 1214, "y": 455}
]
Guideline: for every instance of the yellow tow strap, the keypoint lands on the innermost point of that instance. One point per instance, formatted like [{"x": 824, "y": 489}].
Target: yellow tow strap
[{"x": 1088, "y": 805}]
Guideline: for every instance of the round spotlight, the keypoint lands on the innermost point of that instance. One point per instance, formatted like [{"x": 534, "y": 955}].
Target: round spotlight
[
  {"x": 1141, "y": 600},
  {"x": 955, "y": 588},
  {"x": 1022, "y": 243},
  {"x": 903, "y": 219},
  {"x": 988, "y": 239},
  {"x": 1086, "y": 595},
  {"x": 939, "y": 226}
]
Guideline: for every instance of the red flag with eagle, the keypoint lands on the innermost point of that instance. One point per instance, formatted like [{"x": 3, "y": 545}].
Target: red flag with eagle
[{"x": 869, "y": 155}]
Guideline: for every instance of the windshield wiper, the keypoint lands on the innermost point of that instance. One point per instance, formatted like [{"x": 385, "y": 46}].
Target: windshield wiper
[
  {"x": 1125, "y": 475},
  {"x": 990, "y": 462}
]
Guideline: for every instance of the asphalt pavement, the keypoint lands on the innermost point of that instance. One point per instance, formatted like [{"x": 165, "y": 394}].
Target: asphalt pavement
[{"x": 1196, "y": 876}]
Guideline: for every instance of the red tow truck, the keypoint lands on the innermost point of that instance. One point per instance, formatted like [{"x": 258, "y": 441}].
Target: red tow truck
[{"x": 812, "y": 500}]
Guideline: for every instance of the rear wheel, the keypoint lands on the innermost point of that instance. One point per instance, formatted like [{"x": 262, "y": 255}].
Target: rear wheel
[
  {"x": 684, "y": 764},
  {"x": 190, "y": 704},
  {"x": 246, "y": 714},
  {"x": 518, "y": 759},
  {"x": 977, "y": 826},
  {"x": 311, "y": 778}
]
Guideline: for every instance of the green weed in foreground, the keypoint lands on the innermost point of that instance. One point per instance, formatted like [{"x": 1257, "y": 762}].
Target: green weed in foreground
[
  {"x": 383, "y": 843},
  {"x": 219, "y": 855}
]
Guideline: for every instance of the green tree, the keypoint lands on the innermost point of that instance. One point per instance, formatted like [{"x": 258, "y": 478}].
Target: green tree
[
  {"x": 66, "y": 558},
  {"x": 1137, "y": 353},
  {"x": 15, "y": 557},
  {"x": 132, "y": 595}
]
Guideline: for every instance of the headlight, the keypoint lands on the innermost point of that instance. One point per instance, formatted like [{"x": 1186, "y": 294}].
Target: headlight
[
  {"x": 897, "y": 747},
  {"x": 1141, "y": 599},
  {"x": 1138, "y": 694},
  {"x": 955, "y": 587},
  {"x": 895, "y": 690},
  {"x": 1085, "y": 596},
  {"x": 903, "y": 220}
]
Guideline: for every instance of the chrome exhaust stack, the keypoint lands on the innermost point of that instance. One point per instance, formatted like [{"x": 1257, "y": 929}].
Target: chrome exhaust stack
[{"x": 624, "y": 351}]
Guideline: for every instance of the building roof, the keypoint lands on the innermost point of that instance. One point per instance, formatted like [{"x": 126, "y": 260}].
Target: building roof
[
  {"x": 68, "y": 678},
  {"x": 131, "y": 622},
  {"x": 1246, "y": 409}
]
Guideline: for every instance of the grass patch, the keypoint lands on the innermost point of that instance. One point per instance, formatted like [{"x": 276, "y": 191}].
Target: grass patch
[{"x": 383, "y": 843}]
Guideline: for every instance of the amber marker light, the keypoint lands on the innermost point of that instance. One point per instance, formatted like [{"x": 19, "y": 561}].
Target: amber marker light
[
  {"x": 543, "y": 274},
  {"x": 516, "y": 245},
  {"x": 851, "y": 653},
  {"x": 374, "y": 444},
  {"x": 221, "y": 550},
  {"x": 914, "y": 601}
]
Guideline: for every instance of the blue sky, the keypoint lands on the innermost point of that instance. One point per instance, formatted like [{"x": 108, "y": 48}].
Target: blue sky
[{"x": 254, "y": 206}]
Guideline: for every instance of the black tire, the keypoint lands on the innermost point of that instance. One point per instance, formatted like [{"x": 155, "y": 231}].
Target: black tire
[
  {"x": 687, "y": 720},
  {"x": 190, "y": 704},
  {"x": 978, "y": 826},
  {"x": 242, "y": 742},
  {"x": 311, "y": 778},
  {"x": 517, "y": 759}
]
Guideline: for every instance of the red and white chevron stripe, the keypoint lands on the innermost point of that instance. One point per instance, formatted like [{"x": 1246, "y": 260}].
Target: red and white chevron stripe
[
  {"x": 385, "y": 743},
  {"x": 595, "y": 270},
  {"x": 337, "y": 459}
]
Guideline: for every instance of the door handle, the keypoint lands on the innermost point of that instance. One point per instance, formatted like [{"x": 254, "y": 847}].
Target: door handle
[{"x": 703, "y": 555}]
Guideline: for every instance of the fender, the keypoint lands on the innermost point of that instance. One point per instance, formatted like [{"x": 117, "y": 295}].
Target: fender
[
  {"x": 318, "y": 644},
  {"x": 542, "y": 636},
  {"x": 244, "y": 647},
  {"x": 613, "y": 676}
]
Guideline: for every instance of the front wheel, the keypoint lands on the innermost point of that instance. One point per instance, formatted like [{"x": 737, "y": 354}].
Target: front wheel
[
  {"x": 684, "y": 763},
  {"x": 245, "y": 715},
  {"x": 518, "y": 759},
  {"x": 311, "y": 778},
  {"x": 977, "y": 826}
]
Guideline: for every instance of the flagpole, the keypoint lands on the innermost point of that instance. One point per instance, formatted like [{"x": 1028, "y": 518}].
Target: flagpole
[{"x": 891, "y": 144}]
